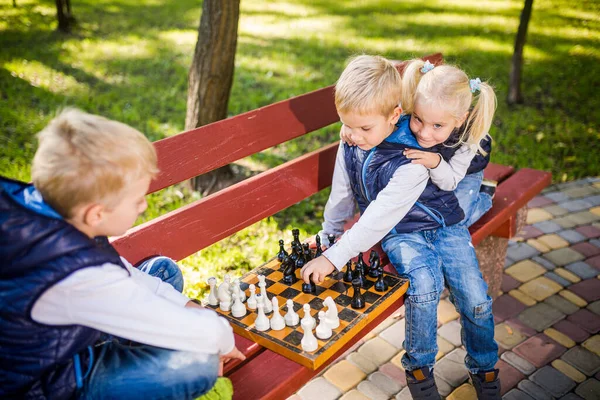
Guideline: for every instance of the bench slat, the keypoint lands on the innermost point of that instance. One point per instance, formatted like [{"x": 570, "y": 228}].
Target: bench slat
[
  {"x": 193, "y": 227},
  {"x": 271, "y": 376},
  {"x": 247, "y": 347}
]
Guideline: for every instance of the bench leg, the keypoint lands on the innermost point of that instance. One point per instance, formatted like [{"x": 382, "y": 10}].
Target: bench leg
[{"x": 491, "y": 253}]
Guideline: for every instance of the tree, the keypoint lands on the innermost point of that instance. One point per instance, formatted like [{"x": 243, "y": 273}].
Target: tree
[
  {"x": 514, "y": 84},
  {"x": 211, "y": 76},
  {"x": 63, "y": 13}
]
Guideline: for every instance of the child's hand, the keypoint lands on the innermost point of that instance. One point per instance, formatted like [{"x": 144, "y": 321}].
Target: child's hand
[
  {"x": 225, "y": 358},
  {"x": 319, "y": 268},
  {"x": 425, "y": 158},
  {"x": 345, "y": 137}
]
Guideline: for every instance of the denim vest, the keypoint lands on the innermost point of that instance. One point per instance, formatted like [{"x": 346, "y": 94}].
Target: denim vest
[
  {"x": 37, "y": 250},
  {"x": 370, "y": 171}
]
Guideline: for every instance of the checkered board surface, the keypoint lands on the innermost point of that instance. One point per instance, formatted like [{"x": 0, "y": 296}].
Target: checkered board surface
[{"x": 287, "y": 341}]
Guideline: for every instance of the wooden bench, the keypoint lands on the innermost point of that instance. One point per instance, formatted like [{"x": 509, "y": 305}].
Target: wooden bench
[{"x": 180, "y": 233}]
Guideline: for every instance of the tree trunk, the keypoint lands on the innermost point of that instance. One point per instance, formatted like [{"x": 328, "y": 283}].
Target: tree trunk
[
  {"x": 14, "y": 3},
  {"x": 211, "y": 77},
  {"x": 514, "y": 85},
  {"x": 64, "y": 20}
]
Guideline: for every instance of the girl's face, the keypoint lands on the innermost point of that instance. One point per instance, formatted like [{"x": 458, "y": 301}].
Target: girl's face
[{"x": 432, "y": 124}]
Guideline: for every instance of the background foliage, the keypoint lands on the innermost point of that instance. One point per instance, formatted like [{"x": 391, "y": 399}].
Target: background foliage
[{"x": 128, "y": 60}]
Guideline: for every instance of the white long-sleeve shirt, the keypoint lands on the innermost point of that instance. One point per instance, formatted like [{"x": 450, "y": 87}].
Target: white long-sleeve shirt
[
  {"x": 138, "y": 307},
  {"x": 447, "y": 175},
  {"x": 383, "y": 213}
]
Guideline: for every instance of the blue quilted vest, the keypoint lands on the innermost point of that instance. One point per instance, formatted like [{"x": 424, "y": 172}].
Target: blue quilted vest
[
  {"x": 38, "y": 249},
  {"x": 370, "y": 171}
]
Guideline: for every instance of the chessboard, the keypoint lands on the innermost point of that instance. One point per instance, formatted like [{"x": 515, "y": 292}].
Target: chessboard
[{"x": 286, "y": 342}]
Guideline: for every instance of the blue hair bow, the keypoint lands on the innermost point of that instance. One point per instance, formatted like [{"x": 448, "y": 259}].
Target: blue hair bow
[
  {"x": 427, "y": 67},
  {"x": 475, "y": 84}
]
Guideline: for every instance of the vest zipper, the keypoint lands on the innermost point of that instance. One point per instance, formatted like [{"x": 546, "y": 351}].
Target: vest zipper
[
  {"x": 431, "y": 214},
  {"x": 364, "y": 173}
]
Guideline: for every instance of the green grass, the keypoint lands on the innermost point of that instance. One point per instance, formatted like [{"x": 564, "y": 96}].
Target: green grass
[{"x": 128, "y": 60}]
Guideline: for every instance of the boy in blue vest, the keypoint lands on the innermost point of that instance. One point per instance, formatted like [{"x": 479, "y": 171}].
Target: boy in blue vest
[
  {"x": 67, "y": 299},
  {"x": 417, "y": 222}
]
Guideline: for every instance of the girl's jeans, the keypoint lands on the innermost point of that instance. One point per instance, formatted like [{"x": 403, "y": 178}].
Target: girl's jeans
[
  {"x": 430, "y": 260},
  {"x": 122, "y": 370},
  {"x": 473, "y": 203}
]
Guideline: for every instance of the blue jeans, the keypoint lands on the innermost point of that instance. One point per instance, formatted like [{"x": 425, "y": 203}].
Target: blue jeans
[
  {"x": 430, "y": 260},
  {"x": 126, "y": 370},
  {"x": 473, "y": 203}
]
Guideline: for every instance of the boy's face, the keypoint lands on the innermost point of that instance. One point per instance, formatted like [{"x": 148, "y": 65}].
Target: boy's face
[
  {"x": 432, "y": 124},
  {"x": 116, "y": 220},
  {"x": 368, "y": 130}
]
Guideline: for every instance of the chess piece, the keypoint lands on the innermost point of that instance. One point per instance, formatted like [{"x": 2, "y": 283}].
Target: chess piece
[
  {"x": 380, "y": 284},
  {"x": 224, "y": 294},
  {"x": 309, "y": 288},
  {"x": 359, "y": 271},
  {"x": 262, "y": 322},
  {"x": 300, "y": 261},
  {"x": 238, "y": 309},
  {"x": 349, "y": 274},
  {"x": 323, "y": 329},
  {"x": 263, "y": 292},
  {"x": 319, "y": 250},
  {"x": 282, "y": 253},
  {"x": 296, "y": 235},
  {"x": 308, "y": 317},
  {"x": 289, "y": 271},
  {"x": 374, "y": 264},
  {"x": 309, "y": 341},
  {"x": 331, "y": 316},
  {"x": 358, "y": 301},
  {"x": 277, "y": 321},
  {"x": 360, "y": 264},
  {"x": 291, "y": 317},
  {"x": 307, "y": 253},
  {"x": 252, "y": 299},
  {"x": 235, "y": 288},
  {"x": 331, "y": 239},
  {"x": 212, "y": 296}
]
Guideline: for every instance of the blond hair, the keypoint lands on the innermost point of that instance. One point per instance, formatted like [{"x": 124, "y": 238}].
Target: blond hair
[
  {"x": 84, "y": 158},
  {"x": 448, "y": 87},
  {"x": 369, "y": 84}
]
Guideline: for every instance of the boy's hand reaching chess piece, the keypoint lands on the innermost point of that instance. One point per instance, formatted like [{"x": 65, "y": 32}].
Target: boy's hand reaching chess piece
[{"x": 318, "y": 268}]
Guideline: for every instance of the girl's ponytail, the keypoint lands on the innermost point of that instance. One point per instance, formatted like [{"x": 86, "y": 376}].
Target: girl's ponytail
[
  {"x": 410, "y": 80},
  {"x": 481, "y": 116}
]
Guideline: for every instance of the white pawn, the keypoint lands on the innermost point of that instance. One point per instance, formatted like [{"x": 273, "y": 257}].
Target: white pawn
[
  {"x": 308, "y": 317},
  {"x": 323, "y": 330},
  {"x": 262, "y": 322},
  {"x": 212, "y": 297},
  {"x": 263, "y": 291},
  {"x": 309, "y": 341},
  {"x": 252, "y": 299},
  {"x": 291, "y": 317},
  {"x": 238, "y": 309},
  {"x": 277, "y": 321},
  {"x": 331, "y": 316}
]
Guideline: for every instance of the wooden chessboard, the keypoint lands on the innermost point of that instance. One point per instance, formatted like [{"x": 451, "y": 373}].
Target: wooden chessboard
[{"x": 287, "y": 341}]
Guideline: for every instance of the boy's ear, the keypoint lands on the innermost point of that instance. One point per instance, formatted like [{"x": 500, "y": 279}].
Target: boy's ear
[
  {"x": 396, "y": 115},
  {"x": 92, "y": 215}
]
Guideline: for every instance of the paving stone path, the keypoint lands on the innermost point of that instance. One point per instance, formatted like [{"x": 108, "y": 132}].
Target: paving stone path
[{"x": 547, "y": 317}]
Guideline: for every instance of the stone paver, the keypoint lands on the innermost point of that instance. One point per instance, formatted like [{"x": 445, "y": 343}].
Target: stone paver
[
  {"x": 507, "y": 337},
  {"x": 539, "y": 201},
  {"x": 371, "y": 391},
  {"x": 510, "y": 376},
  {"x": 344, "y": 375},
  {"x": 464, "y": 392},
  {"x": 540, "y": 316},
  {"x": 540, "y": 288},
  {"x": 516, "y": 394},
  {"x": 564, "y": 256},
  {"x": 554, "y": 382},
  {"x": 517, "y": 324},
  {"x": 451, "y": 368},
  {"x": 572, "y": 236},
  {"x": 582, "y": 359},
  {"x": 558, "y": 279},
  {"x": 319, "y": 388},
  {"x": 397, "y": 359},
  {"x": 553, "y": 241},
  {"x": 522, "y": 297},
  {"x": 589, "y": 390},
  {"x": 529, "y": 232},
  {"x": 561, "y": 304},
  {"x": 589, "y": 231},
  {"x": 594, "y": 262},
  {"x": 506, "y": 307},
  {"x": 509, "y": 283},
  {"x": 366, "y": 365},
  {"x": 582, "y": 270},
  {"x": 557, "y": 196},
  {"x": 559, "y": 337},
  {"x": 544, "y": 263},
  {"x": 378, "y": 351},
  {"x": 385, "y": 383},
  {"x": 534, "y": 390},
  {"x": 571, "y": 330},
  {"x": 573, "y": 298},
  {"x": 594, "y": 307},
  {"x": 354, "y": 395},
  {"x": 395, "y": 334},
  {"x": 446, "y": 312},
  {"x": 535, "y": 215},
  {"x": 521, "y": 251},
  {"x": 393, "y": 372},
  {"x": 589, "y": 289},
  {"x": 567, "y": 275},
  {"x": 539, "y": 246},
  {"x": 586, "y": 249},
  {"x": 539, "y": 350},
  {"x": 525, "y": 270},
  {"x": 549, "y": 226},
  {"x": 404, "y": 395},
  {"x": 451, "y": 332},
  {"x": 593, "y": 344},
  {"x": 443, "y": 387},
  {"x": 571, "y": 396},
  {"x": 586, "y": 320},
  {"x": 569, "y": 370},
  {"x": 444, "y": 346},
  {"x": 519, "y": 363}
]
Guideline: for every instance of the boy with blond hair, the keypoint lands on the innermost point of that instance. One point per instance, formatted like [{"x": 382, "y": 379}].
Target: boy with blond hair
[
  {"x": 416, "y": 221},
  {"x": 68, "y": 300}
]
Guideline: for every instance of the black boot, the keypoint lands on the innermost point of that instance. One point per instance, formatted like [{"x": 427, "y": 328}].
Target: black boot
[
  {"x": 422, "y": 385},
  {"x": 489, "y": 187},
  {"x": 487, "y": 385}
]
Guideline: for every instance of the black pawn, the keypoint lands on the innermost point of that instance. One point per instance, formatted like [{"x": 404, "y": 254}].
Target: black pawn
[
  {"x": 296, "y": 234},
  {"x": 300, "y": 261},
  {"x": 309, "y": 287},
  {"x": 358, "y": 301},
  {"x": 289, "y": 271},
  {"x": 282, "y": 253},
  {"x": 360, "y": 264},
  {"x": 307, "y": 253},
  {"x": 374, "y": 267},
  {"x": 380, "y": 284},
  {"x": 331, "y": 239},
  {"x": 349, "y": 274},
  {"x": 319, "y": 247}
]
